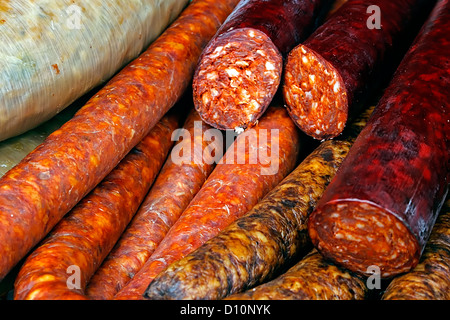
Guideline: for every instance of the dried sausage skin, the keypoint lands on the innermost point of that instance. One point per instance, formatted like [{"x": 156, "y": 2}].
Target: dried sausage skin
[
  {"x": 312, "y": 278},
  {"x": 238, "y": 182},
  {"x": 240, "y": 70},
  {"x": 40, "y": 190},
  {"x": 270, "y": 236},
  {"x": 84, "y": 237},
  {"x": 382, "y": 204},
  {"x": 171, "y": 193},
  {"x": 329, "y": 74}
]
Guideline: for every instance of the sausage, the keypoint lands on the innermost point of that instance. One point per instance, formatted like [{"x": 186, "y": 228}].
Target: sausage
[
  {"x": 258, "y": 245},
  {"x": 53, "y": 52},
  {"x": 381, "y": 206},
  {"x": 240, "y": 70},
  {"x": 52, "y": 179},
  {"x": 239, "y": 181},
  {"x": 312, "y": 278},
  {"x": 332, "y": 71},
  {"x": 84, "y": 237},
  {"x": 171, "y": 193},
  {"x": 430, "y": 279}
]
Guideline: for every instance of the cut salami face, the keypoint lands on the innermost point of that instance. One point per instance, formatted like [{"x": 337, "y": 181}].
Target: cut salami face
[
  {"x": 332, "y": 71},
  {"x": 382, "y": 204},
  {"x": 241, "y": 68}
]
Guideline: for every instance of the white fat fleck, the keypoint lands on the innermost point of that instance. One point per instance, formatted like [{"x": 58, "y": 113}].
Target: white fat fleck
[
  {"x": 211, "y": 76},
  {"x": 318, "y": 132},
  {"x": 336, "y": 87},
  {"x": 251, "y": 33},
  {"x": 248, "y": 72},
  {"x": 270, "y": 66},
  {"x": 303, "y": 50},
  {"x": 305, "y": 60},
  {"x": 314, "y": 105},
  {"x": 214, "y": 92},
  {"x": 312, "y": 78},
  {"x": 260, "y": 52},
  {"x": 242, "y": 63},
  {"x": 232, "y": 72}
]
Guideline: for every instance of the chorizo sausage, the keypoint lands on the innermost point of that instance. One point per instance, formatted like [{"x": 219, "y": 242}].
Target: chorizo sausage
[
  {"x": 430, "y": 279},
  {"x": 381, "y": 206},
  {"x": 331, "y": 72},
  {"x": 312, "y": 278},
  {"x": 52, "y": 179},
  {"x": 84, "y": 237},
  {"x": 240, "y": 70},
  {"x": 259, "y": 244},
  {"x": 239, "y": 181},
  {"x": 171, "y": 193}
]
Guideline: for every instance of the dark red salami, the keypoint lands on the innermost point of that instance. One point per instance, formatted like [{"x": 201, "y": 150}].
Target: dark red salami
[
  {"x": 381, "y": 206},
  {"x": 331, "y": 72},
  {"x": 240, "y": 70}
]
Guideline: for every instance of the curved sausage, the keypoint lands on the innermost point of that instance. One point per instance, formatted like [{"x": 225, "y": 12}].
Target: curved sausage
[
  {"x": 382, "y": 205},
  {"x": 84, "y": 237},
  {"x": 240, "y": 70},
  {"x": 313, "y": 278},
  {"x": 239, "y": 181},
  {"x": 52, "y": 179},
  {"x": 332, "y": 71},
  {"x": 259, "y": 244},
  {"x": 171, "y": 193}
]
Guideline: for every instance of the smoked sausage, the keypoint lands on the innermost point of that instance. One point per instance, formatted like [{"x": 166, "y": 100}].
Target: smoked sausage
[
  {"x": 253, "y": 165},
  {"x": 334, "y": 69},
  {"x": 381, "y": 206},
  {"x": 240, "y": 70},
  {"x": 52, "y": 179},
  {"x": 82, "y": 239}
]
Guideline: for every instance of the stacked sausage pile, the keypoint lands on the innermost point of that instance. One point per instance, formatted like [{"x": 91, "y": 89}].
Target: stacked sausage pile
[{"x": 105, "y": 197}]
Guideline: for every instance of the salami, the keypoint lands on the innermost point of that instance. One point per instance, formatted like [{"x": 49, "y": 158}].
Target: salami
[
  {"x": 83, "y": 238},
  {"x": 261, "y": 243},
  {"x": 52, "y": 179},
  {"x": 240, "y": 70},
  {"x": 381, "y": 206},
  {"x": 331, "y": 72},
  {"x": 242, "y": 178},
  {"x": 171, "y": 193},
  {"x": 430, "y": 279},
  {"x": 313, "y": 278}
]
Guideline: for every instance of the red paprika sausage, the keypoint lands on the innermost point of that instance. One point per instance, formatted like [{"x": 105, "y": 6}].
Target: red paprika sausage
[
  {"x": 332, "y": 71},
  {"x": 239, "y": 181},
  {"x": 171, "y": 193},
  {"x": 382, "y": 204},
  {"x": 82, "y": 239},
  {"x": 240, "y": 69},
  {"x": 50, "y": 181}
]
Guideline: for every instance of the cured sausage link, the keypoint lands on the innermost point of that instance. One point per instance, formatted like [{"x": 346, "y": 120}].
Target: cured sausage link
[
  {"x": 269, "y": 237},
  {"x": 51, "y": 180},
  {"x": 313, "y": 278},
  {"x": 430, "y": 279},
  {"x": 82, "y": 239},
  {"x": 328, "y": 74},
  {"x": 382, "y": 205},
  {"x": 233, "y": 188},
  {"x": 171, "y": 193},
  {"x": 240, "y": 70}
]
